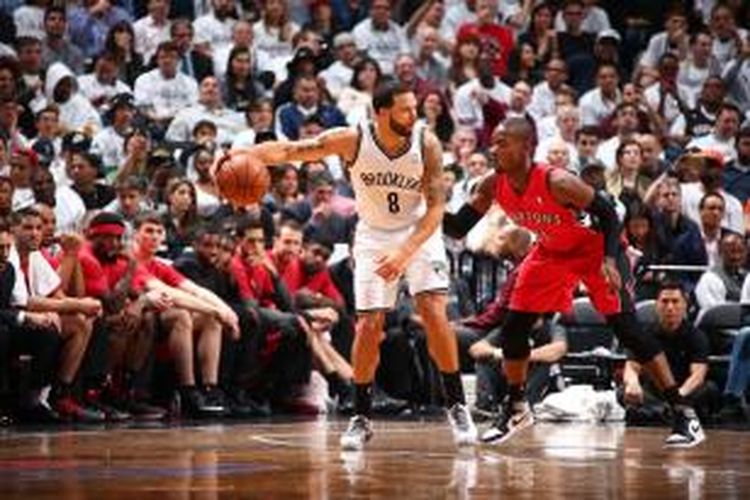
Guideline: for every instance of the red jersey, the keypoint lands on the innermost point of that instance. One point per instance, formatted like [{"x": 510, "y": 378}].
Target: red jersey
[
  {"x": 101, "y": 277},
  {"x": 254, "y": 282},
  {"x": 558, "y": 228},
  {"x": 294, "y": 277},
  {"x": 164, "y": 272}
]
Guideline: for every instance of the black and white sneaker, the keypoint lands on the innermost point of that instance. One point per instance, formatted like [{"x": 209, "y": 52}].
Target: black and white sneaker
[
  {"x": 357, "y": 434},
  {"x": 513, "y": 418},
  {"x": 686, "y": 429},
  {"x": 464, "y": 431}
]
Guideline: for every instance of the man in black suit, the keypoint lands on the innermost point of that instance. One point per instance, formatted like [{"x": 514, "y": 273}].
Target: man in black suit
[{"x": 192, "y": 62}]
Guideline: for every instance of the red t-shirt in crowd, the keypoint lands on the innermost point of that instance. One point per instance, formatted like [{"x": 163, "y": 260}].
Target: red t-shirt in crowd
[
  {"x": 100, "y": 277},
  {"x": 493, "y": 37},
  {"x": 294, "y": 277},
  {"x": 254, "y": 282}
]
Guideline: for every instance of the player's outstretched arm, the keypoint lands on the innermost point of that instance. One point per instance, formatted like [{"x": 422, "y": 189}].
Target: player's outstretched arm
[
  {"x": 342, "y": 142},
  {"x": 459, "y": 224}
]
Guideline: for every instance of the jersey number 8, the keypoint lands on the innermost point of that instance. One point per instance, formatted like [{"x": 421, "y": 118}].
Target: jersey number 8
[{"x": 393, "y": 206}]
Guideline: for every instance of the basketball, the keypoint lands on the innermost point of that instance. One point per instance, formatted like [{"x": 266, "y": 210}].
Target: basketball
[{"x": 242, "y": 179}]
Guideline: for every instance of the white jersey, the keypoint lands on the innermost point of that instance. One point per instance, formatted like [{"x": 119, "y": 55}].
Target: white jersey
[{"x": 388, "y": 189}]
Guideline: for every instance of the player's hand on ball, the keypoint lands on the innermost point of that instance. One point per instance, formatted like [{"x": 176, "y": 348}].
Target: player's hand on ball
[
  {"x": 609, "y": 269},
  {"x": 391, "y": 265}
]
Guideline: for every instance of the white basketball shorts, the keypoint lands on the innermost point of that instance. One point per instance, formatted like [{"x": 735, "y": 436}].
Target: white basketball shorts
[{"x": 427, "y": 270}]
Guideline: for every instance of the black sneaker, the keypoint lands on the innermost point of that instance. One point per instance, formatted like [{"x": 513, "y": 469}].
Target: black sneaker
[
  {"x": 144, "y": 412},
  {"x": 357, "y": 434},
  {"x": 243, "y": 406},
  {"x": 734, "y": 411},
  {"x": 93, "y": 399},
  {"x": 686, "y": 429},
  {"x": 215, "y": 400},
  {"x": 193, "y": 404},
  {"x": 513, "y": 417}
]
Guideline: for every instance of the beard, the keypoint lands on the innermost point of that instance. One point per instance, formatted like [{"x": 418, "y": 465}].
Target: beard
[{"x": 400, "y": 129}]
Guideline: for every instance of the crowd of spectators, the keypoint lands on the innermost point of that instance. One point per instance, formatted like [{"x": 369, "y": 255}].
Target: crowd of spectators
[{"x": 130, "y": 288}]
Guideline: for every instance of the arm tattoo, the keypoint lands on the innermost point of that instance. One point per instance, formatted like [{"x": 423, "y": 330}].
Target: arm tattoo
[{"x": 433, "y": 174}]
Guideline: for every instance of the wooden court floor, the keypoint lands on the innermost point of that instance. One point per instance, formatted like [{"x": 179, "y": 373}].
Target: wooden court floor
[{"x": 406, "y": 460}]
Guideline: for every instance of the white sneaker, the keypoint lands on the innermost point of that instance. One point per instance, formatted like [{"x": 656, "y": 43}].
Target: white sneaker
[
  {"x": 357, "y": 434},
  {"x": 686, "y": 430},
  {"x": 512, "y": 419},
  {"x": 464, "y": 431}
]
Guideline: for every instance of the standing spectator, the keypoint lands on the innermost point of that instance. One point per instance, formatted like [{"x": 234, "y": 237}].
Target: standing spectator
[
  {"x": 90, "y": 22},
  {"x": 121, "y": 44},
  {"x": 687, "y": 351},
  {"x": 736, "y": 174},
  {"x": 380, "y": 37},
  {"x": 163, "y": 91},
  {"x": 57, "y": 48},
  {"x": 215, "y": 27},
  {"x": 574, "y": 45},
  {"x": 193, "y": 63},
  {"x": 152, "y": 29},
  {"x": 76, "y": 112},
  {"x": 495, "y": 39}
]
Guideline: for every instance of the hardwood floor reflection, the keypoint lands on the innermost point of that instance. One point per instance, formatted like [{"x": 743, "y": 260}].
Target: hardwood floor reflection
[{"x": 405, "y": 460}]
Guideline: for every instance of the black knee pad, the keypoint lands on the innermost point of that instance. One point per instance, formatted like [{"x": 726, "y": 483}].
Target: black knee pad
[
  {"x": 514, "y": 339},
  {"x": 633, "y": 338}
]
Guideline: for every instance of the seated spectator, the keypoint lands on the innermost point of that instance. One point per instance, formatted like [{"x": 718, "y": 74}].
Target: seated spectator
[
  {"x": 307, "y": 101},
  {"x": 496, "y": 40},
  {"x": 626, "y": 181},
  {"x": 339, "y": 75},
  {"x": 193, "y": 63},
  {"x": 284, "y": 190},
  {"x": 597, "y": 104},
  {"x": 273, "y": 34},
  {"x": 686, "y": 349},
  {"x": 723, "y": 282},
  {"x": 380, "y": 37},
  {"x": 162, "y": 92},
  {"x": 736, "y": 174},
  {"x": 738, "y": 87},
  {"x": 180, "y": 219},
  {"x": 626, "y": 126},
  {"x": 698, "y": 66},
  {"x": 85, "y": 170},
  {"x": 722, "y": 138},
  {"x": 6, "y": 197},
  {"x": 587, "y": 145},
  {"x": 472, "y": 98},
  {"x": 129, "y": 203},
  {"x": 644, "y": 248},
  {"x": 567, "y": 123},
  {"x": 573, "y": 44},
  {"x": 543, "y": 96},
  {"x": 56, "y": 46},
  {"x": 23, "y": 164},
  {"x": 199, "y": 314},
  {"x": 242, "y": 41},
  {"x": 72, "y": 318},
  {"x": 210, "y": 107},
  {"x": 214, "y": 29},
  {"x": 152, "y": 29},
  {"x": 355, "y": 98},
  {"x": 316, "y": 210},
  {"x": 710, "y": 181},
  {"x": 90, "y": 22},
  {"x": 712, "y": 208},
  {"x": 100, "y": 86},
  {"x": 208, "y": 199},
  {"x": 68, "y": 206},
  {"x": 121, "y": 44},
  {"x": 259, "y": 118},
  {"x": 109, "y": 143},
  {"x": 25, "y": 332},
  {"x": 240, "y": 87},
  {"x": 76, "y": 112}
]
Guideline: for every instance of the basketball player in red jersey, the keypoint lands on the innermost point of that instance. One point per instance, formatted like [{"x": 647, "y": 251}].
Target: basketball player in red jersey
[{"x": 549, "y": 201}]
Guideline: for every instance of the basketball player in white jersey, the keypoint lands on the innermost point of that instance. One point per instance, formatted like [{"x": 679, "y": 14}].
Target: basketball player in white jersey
[{"x": 396, "y": 170}]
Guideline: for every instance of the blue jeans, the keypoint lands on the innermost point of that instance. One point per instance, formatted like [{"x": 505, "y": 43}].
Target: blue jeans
[{"x": 738, "y": 377}]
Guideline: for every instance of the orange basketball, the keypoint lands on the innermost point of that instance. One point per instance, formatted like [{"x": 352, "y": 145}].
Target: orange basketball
[{"x": 242, "y": 179}]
